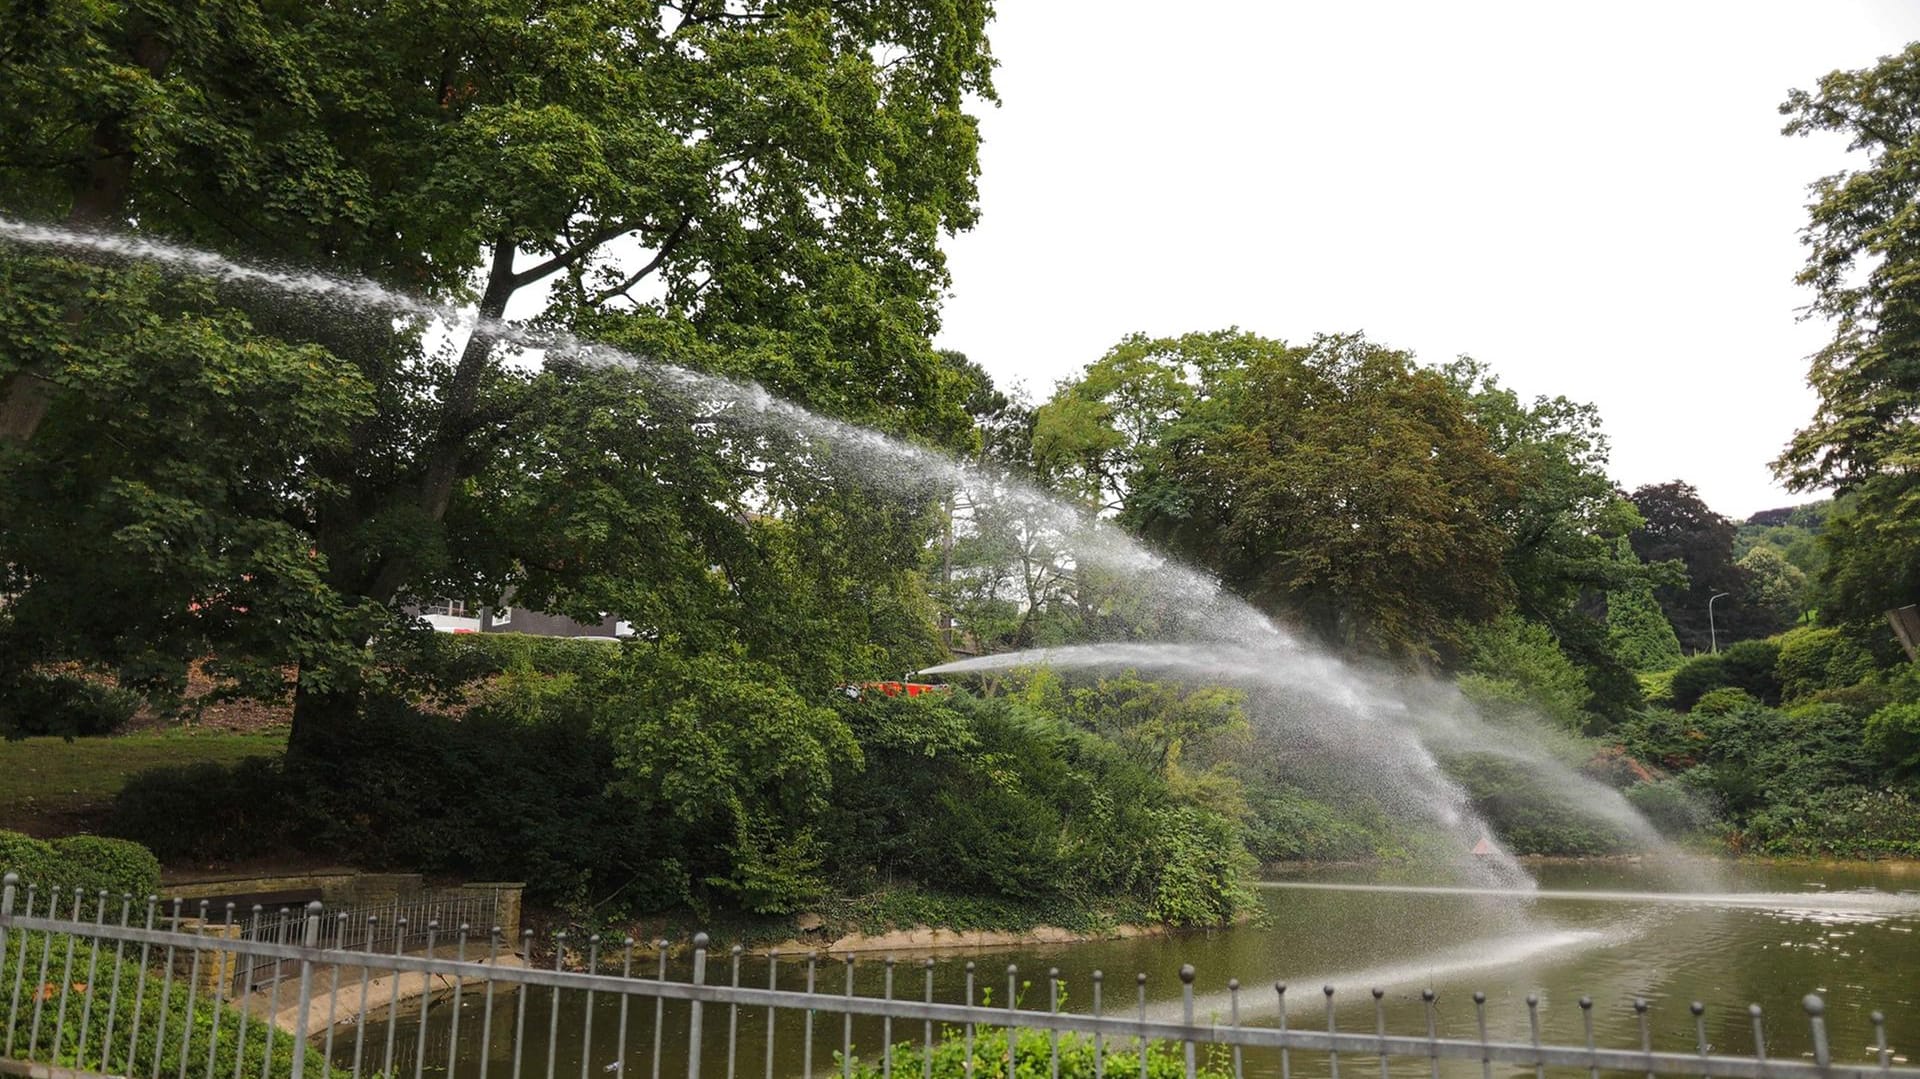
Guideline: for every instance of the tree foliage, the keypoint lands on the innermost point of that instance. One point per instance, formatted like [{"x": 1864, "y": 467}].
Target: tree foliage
[
  {"x": 1637, "y": 628},
  {"x": 1336, "y": 484},
  {"x": 1775, "y": 586},
  {"x": 1680, "y": 527},
  {"x": 759, "y": 189},
  {"x": 1863, "y": 250}
]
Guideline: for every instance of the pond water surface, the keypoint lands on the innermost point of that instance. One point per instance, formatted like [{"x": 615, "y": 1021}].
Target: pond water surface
[{"x": 1766, "y": 934}]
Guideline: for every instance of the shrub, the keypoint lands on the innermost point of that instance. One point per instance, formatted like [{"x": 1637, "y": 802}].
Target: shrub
[
  {"x": 1849, "y": 821},
  {"x": 1517, "y": 666},
  {"x": 38, "y": 703},
  {"x": 1034, "y": 1050},
  {"x": 1527, "y": 815},
  {"x": 1672, "y": 807},
  {"x": 1674, "y": 742},
  {"x": 33, "y": 859},
  {"x": 1657, "y": 686},
  {"x": 205, "y": 810},
  {"x": 1638, "y": 630},
  {"x": 1747, "y": 665},
  {"x": 87, "y": 862},
  {"x": 1764, "y": 757},
  {"x": 995, "y": 800},
  {"x": 1893, "y": 733},
  {"x": 454, "y": 659},
  {"x": 717, "y": 783},
  {"x": 1202, "y": 870},
  {"x": 1724, "y": 701},
  {"x": 115, "y": 866},
  {"x": 1812, "y": 660},
  {"x": 1287, "y": 826},
  {"x": 148, "y": 1055}
]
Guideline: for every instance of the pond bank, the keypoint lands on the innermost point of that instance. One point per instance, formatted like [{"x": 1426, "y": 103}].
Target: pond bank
[{"x": 921, "y": 939}]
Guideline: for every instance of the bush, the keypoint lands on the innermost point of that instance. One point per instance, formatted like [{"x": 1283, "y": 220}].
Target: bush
[
  {"x": 989, "y": 798},
  {"x": 1518, "y": 667},
  {"x": 1812, "y": 660},
  {"x": 87, "y": 862},
  {"x": 1202, "y": 870},
  {"x": 1657, "y": 687},
  {"x": 38, "y": 703},
  {"x": 1034, "y": 1051},
  {"x": 1893, "y": 733},
  {"x": 1748, "y": 665},
  {"x": 1724, "y": 701},
  {"x": 206, "y": 810},
  {"x": 148, "y": 1055},
  {"x": 447, "y": 660},
  {"x": 1527, "y": 815},
  {"x": 33, "y": 859},
  {"x": 1672, "y": 741},
  {"x": 115, "y": 866},
  {"x": 1638, "y": 630},
  {"x": 1672, "y": 807},
  {"x": 670, "y": 781},
  {"x": 1751, "y": 760},
  {"x": 1287, "y": 826},
  {"x": 1846, "y": 821}
]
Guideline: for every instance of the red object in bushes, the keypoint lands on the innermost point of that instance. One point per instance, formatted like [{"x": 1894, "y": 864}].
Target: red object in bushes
[{"x": 894, "y": 689}]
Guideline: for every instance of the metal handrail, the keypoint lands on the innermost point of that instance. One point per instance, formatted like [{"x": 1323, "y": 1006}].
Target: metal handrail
[
  {"x": 1111, "y": 1029},
  {"x": 395, "y": 924}
]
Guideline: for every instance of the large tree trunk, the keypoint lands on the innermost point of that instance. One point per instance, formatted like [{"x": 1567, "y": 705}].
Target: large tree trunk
[
  {"x": 318, "y": 715},
  {"x": 26, "y": 394},
  {"x": 445, "y": 460}
]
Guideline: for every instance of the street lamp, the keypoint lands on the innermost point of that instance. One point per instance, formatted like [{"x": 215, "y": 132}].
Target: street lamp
[{"x": 1713, "y": 636}]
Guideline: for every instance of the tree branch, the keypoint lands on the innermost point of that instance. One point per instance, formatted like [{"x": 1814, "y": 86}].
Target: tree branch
[
  {"x": 568, "y": 257},
  {"x": 666, "y": 247}
]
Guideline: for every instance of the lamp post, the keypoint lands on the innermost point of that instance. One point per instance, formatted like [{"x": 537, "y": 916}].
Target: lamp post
[{"x": 1713, "y": 635}]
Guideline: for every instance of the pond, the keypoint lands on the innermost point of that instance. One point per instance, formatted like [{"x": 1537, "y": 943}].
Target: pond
[{"x": 1765, "y": 934}]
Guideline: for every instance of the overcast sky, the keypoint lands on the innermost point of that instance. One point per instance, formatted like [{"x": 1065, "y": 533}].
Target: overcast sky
[{"x": 1593, "y": 199}]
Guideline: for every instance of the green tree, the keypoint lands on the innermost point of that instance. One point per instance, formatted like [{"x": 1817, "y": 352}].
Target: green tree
[
  {"x": 1638, "y": 630},
  {"x": 1863, "y": 250},
  {"x": 1336, "y": 484},
  {"x": 1566, "y": 524},
  {"x": 759, "y": 189},
  {"x": 1516, "y": 666},
  {"x": 1678, "y": 526},
  {"x": 1774, "y": 585},
  {"x": 1090, "y": 438},
  {"x": 149, "y": 523}
]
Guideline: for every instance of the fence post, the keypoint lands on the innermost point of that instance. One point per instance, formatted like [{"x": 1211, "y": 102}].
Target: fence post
[
  {"x": 7, "y": 885},
  {"x": 700, "y": 943},
  {"x": 1816, "y": 1018},
  {"x": 310, "y": 938}
]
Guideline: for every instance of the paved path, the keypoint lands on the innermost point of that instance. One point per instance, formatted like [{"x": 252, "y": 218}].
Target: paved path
[{"x": 337, "y": 993}]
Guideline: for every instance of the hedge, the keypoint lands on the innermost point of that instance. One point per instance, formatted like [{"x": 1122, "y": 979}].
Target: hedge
[{"x": 89, "y": 862}]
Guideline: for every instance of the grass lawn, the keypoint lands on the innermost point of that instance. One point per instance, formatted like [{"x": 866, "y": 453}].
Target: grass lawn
[{"x": 48, "y": 780}]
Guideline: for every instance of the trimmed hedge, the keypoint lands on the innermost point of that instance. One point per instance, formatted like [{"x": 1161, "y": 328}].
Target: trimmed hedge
[
  {"x": 89, "y": 862},
  {"x": 97, "y": 863}
]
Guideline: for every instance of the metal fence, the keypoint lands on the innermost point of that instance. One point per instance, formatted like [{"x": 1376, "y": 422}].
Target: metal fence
[
  {"x": 56, "y": 945},
  {"x": 400, "y": 924}
]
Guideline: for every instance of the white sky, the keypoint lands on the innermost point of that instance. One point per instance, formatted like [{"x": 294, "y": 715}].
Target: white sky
[{"x": 1593, "y": 199}]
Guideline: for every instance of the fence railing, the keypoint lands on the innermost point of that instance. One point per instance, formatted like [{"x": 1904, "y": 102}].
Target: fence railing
[
  {"x": 400, "y": 924},
  {"x": 53, "y": 1014}
]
